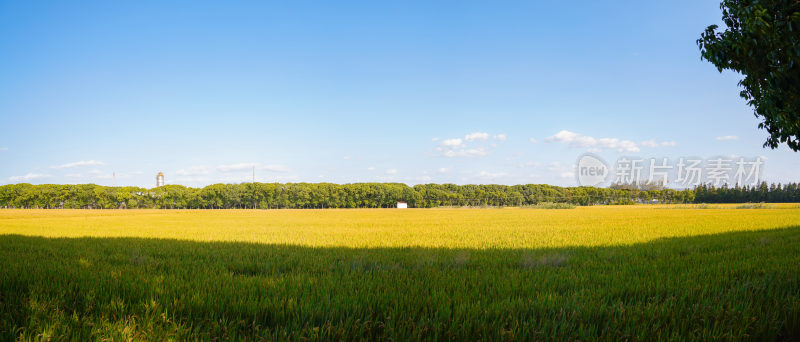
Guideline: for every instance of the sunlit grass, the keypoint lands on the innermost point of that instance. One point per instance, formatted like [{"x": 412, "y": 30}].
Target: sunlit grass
[{"x": 611, "y": 273}]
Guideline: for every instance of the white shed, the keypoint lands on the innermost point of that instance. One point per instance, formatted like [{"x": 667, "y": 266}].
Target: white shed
[{"x": 402, "y": 205}]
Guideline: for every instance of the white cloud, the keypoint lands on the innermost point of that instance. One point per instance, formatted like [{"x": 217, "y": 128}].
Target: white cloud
[
  {"x": 193, "y": 171},
  {"x": 435, "y": 139},
  {"x": 649, "y": 143},
  {"x": 653, "y": 143},
  {"x": 564, "y": 136},
  {"x": 347, "y": 157},
  {"x": 500, "y": 137},
  {"x": 457, "y": 147},
  {"x": 455, "y": 142},
  {"x": 727, "y": 137},
  {"x": 391, "y": 172},
  {"x": 464, "y": 152},
  {"x": 371, "y": 168},
  {"x": 3, "y": 148},
  {"x": 619, "y": 145},
  {"x": 476, "y": 136},
  {"x": 79, "y": 163},
  {"x": 28, "y": 177},
  {"x": 584, "y": 141},
  {"x": 443, "y": 170},
  {"x": 533, "y": 140}
]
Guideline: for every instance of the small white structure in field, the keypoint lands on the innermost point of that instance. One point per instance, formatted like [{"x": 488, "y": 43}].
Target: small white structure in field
[{"x": 402, "y": 205}]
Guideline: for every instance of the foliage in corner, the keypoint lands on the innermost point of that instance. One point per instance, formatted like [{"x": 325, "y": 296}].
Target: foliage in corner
[{"x": 761, "y": 42}]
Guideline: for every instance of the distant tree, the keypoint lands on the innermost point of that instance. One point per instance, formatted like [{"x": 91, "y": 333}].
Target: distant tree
[{"x": 762, "y": 42}]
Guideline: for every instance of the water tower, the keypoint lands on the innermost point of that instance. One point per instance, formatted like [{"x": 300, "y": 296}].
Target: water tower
[{"x": 160, "y": 179}]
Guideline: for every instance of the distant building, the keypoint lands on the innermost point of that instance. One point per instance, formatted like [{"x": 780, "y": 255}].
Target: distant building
[
  {"x": 402, "y": 205},
  {"x": 160, "y": 179}
]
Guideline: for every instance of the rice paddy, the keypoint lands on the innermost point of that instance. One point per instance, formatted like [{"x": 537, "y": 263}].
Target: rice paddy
[{"x": 588, "y": 273}]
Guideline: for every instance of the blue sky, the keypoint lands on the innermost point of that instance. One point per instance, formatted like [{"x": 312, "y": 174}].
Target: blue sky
[{"x": 360, "y": 91}]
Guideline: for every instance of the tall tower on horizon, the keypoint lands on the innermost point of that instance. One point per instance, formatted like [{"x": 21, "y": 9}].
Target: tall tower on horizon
[{"x": 160, "y": 179}]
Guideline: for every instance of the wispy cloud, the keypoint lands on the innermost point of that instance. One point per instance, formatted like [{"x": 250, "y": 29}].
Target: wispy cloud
[
  {"x": 391, "y": 172},
  {"x": 3, "y": 148},
  {"x": 79, "y": 163},
  {"x": 653, "y": 143},
  {"x": 464, "y": 152},
  {"x": 28, "y": 177},
  {"x": 533, "y": 140},
  {"x": 454, "y": 142},
  {"x": 476, "y": 136},
  {"x": 457, "y": 147},
  {"x": 727, "y": 137},
  {"x": 592, "y": 143}
]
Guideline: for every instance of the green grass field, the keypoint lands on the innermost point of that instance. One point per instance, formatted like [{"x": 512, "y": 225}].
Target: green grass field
[{"x": 608, "y": 273}]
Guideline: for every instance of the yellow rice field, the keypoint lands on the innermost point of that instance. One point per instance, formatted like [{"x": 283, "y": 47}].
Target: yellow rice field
[{"x": 448, "y": 228}]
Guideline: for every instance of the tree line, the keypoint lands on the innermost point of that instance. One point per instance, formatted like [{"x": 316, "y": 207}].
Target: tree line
[
  {"x": 367, "y": 195},
  {"x": 773, "y": 193}
]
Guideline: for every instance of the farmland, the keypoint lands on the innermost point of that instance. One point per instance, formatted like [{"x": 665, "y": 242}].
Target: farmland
[{"x": 604, "y": 272}]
